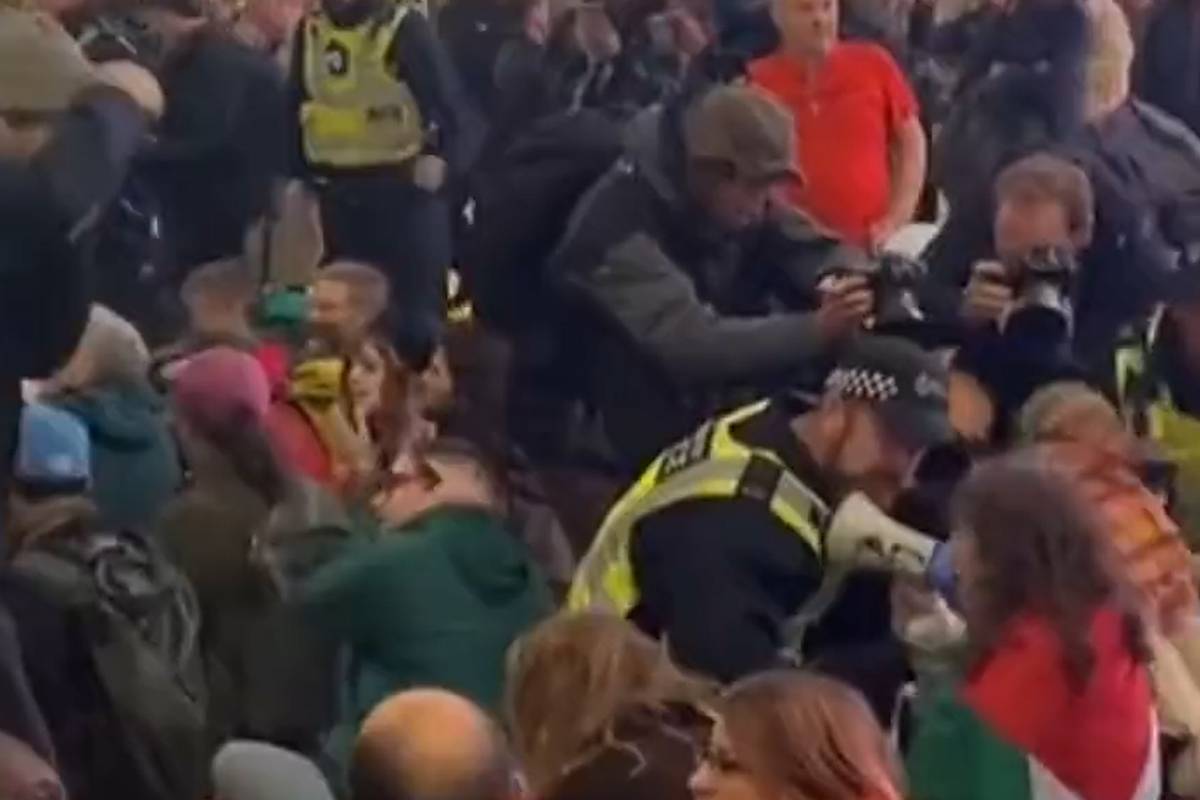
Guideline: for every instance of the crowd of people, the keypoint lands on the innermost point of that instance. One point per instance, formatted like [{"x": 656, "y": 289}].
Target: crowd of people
[{"x": 599, "y": 400}]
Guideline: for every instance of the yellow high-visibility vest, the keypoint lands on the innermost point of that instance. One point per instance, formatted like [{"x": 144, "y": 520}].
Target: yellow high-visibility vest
[
  {"x": 1151, "y": 412},
  {"x": 358, "y": 114},
  {"x": 710, "y": 463}
]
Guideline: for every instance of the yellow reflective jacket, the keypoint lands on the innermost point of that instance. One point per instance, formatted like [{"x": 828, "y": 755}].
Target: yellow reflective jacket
[{"x": 358, "y": 113}]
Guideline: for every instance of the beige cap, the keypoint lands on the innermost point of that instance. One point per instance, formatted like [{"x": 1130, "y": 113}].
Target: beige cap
[
  {"x": 41, "y": 66},
  {"x": 744, "y": 127}
]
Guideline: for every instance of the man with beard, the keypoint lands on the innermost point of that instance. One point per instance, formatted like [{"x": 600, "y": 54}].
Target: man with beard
[{"x": 720, "y": 542}]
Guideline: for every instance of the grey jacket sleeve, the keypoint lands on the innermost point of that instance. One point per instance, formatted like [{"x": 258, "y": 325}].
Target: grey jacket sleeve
[
  {"x": 801, "y": 253},
  {"x": 653, "y": 302}
]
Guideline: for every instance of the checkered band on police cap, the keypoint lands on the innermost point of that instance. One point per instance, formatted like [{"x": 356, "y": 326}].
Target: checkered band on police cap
[{"x": 863, "y": 384}]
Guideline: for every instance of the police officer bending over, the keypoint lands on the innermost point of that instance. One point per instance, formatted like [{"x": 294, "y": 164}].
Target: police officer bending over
[{"x": 719, "y": 543}]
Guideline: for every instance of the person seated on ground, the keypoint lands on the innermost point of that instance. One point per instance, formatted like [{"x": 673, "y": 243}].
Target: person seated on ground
[
  {"x": 239, "y": 500},
  {"x": 860, "y": 145},
  {"x": 636, "y": 724},
  {"x": 1056, "y": 696},
  {"x": 135, "y": 463},
  {"x": 219, "y": 298},
  {"x": 434, "y": 745},
  {"x": 718, "y": 546},
  {"x": 792, "y": 734},
  {"x": 349, "y": 301},
  {"x": 1014, "y": 341},
  {"x": 437, "y": 597},
  {"x": 95, "y": 581},
  {"x": 1082, "y": 436},
  {"x": 660, "y": 259},
  {"x": 311, "y": 427},
  {"x": 244, "y": 770},
  {"x": 1157, "y": 386},
  {"x": 382, "y": 404}
]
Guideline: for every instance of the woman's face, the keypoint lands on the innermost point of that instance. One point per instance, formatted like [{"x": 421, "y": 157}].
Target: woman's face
[
  {"x": 721, "y": 774},
  {"x": 365, "y": 379}
]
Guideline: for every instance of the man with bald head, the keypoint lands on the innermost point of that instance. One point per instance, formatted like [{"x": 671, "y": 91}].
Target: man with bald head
[{"x": 430, "y": 744}]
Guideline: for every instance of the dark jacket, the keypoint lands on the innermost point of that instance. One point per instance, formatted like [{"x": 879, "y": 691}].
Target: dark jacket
[
  {"x": 434, "y": 604},
  {"x": 719, "y": 578},
  {"x": 1144, "y": 170},
  {"x": 46, "y": 207},
  {"x": 419, "y": 60},
  {"x": 269, "y": 676},
  {"x": 1167, "y": 71},
  {"x": 221, "y": 145},
  {"x": 674, "y": 314},
  {"x": 136, "y": 467}
]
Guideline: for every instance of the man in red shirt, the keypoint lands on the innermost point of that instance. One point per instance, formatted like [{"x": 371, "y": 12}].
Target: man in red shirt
[{"x": 861, "y": 147}]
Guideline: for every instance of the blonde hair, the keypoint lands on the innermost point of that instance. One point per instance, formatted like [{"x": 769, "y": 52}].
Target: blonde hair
[
  {"x": 570, "y": 678},
  {"x": 803, "y": 736},
  {"x": 1110, "y": 58}
]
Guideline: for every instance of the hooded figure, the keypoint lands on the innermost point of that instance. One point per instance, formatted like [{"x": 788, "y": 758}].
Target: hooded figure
[{"x": 136, "y": 466}]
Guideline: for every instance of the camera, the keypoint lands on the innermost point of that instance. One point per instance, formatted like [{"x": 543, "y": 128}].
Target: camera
[
  {"x": 1042, "y": 283},
  {"x": 894, "y": 279},
  {"x": 121, "y": 37}
]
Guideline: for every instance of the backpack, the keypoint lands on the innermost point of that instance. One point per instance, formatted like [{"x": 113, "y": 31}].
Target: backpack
[
  {"x": 141, "y": 621},
  {"x": 522, "y": 207}
]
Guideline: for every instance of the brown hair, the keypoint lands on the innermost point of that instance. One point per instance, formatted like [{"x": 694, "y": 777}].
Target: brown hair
[
  {"x": 388, "y": 425},
  {"x": 368, "y": 286},
  {"x": 227, "y": 280},
  {"x": 572, "y": 677},
  {"x": 804, "y": 736},
  {"x": 1041, "y": 550},
  {"x": 1046, "y": 177}
]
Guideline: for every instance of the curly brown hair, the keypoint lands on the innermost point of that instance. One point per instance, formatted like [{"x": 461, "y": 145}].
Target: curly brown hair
[{"x": 1041, "y": 550}]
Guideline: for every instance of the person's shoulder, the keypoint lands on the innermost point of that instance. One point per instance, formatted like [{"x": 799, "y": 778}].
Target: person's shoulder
[
  {"x": 771, "y": 70},
  {"x": 864, "y": 55}
]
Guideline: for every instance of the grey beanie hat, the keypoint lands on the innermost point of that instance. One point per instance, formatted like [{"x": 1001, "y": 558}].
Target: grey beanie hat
[{"x": 258, "y": 771}]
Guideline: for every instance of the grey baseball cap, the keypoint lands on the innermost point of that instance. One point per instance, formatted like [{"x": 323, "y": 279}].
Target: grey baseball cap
[
  {"x": 743, "y": 127},
  {"x": 909, "y": 387}
]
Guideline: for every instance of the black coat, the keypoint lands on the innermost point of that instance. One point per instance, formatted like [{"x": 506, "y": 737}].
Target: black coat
[
  {"x": 46, "y": 208},
  {"x": 675, "y": 316}
]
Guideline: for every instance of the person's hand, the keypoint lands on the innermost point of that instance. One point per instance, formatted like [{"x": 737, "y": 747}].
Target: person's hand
[
  {"x": 429, "y": 172},
  {"x": 690, "y": 36},
  {"x": 880, "y": 232},
  {"x": 987, "y": 297},
  {"x": 137, "y": 82},
  {"x": 846, "y": 304}
]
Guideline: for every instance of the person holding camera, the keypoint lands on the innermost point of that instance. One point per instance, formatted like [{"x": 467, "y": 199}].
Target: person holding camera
[
  {"x": 669, "y": 263},
  {"x": 1019, "y": 309},
  {"x": 721, "y": 546}
]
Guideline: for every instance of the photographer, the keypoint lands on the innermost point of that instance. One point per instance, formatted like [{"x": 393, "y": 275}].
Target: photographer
[
  {"x": 668, "y": 262},
  {"x": 1019, "y": 308}
]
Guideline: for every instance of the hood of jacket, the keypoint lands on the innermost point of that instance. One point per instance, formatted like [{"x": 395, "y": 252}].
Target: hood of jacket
[
  {"x": 493, "y": 564},
  {"x": 124, "y": 416}
]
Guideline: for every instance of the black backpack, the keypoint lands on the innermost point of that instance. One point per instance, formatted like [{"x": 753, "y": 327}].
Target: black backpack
[
  {"x": 141, "y": 621},
  {"x": 522, "y": 207}
]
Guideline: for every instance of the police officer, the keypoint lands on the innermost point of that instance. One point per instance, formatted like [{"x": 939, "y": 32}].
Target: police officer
[
  {"x": 1157, "y": 375},
  {"x": 383, "y": 126},
  {"x": 718, "y": 546}
]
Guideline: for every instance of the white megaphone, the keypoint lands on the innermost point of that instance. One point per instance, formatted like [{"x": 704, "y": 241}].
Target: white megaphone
[{"x": 860, "y": 536}]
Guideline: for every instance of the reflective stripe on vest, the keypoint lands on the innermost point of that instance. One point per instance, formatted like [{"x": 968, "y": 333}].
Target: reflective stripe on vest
[
  {"x": 358, "y": 114},
  {"x": 708, "y": 464},
  {"x": 1150, "y": 411}
]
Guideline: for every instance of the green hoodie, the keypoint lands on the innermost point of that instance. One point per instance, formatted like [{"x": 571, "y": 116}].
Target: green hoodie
[
  {"x": 135, "y": 463},
  {"x": 434, "y": 604}
]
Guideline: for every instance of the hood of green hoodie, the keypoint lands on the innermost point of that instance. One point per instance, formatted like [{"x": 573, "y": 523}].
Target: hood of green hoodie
[
  {"x": 492, "y": 562},
  {"x": 125, "y": 417}
]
